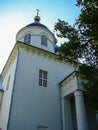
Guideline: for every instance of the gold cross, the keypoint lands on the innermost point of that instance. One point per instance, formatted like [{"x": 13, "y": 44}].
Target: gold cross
[{"x": 37, "y": 11}]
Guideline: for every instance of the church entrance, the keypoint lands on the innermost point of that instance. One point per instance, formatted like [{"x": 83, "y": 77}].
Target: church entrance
[
  {"x": 74, "y": 112},
  {"x": 69, "y": 114}
]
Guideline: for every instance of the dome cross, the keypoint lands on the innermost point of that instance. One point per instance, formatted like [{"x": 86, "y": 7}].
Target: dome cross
[{"x": 37, "y": 11}]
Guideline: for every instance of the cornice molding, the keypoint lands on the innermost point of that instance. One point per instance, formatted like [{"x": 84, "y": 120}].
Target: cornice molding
[
  {"x": 9, "y": 61},
  {"x": 68, "y": 78},
  {"x": 32, "y": 49},
  {"x": 39, "y": 51}
]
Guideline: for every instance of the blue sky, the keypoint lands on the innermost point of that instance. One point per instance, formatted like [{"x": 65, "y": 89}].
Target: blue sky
[{"x": 15, "y": 14}]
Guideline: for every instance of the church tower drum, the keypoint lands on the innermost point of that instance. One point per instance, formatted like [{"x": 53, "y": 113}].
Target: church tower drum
[{"x": 38, "y": 35}]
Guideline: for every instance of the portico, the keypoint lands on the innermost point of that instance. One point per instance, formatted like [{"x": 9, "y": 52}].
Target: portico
[{"x": 72, "y": 88}]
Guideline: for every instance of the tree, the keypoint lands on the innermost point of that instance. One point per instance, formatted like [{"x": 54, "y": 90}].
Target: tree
[{"x": 82, "y": 45}]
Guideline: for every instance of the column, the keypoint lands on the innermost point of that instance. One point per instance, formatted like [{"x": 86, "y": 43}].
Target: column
[
  {"x": 66, "y": 113},
  {"x": 97, "y": 117},
  {"x": 80, "y": 111}
]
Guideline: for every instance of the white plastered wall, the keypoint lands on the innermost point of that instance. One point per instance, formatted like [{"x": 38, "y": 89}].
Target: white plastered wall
[
  {"x": 39, "y": 106},
  {"x": 6, "y": 99}
]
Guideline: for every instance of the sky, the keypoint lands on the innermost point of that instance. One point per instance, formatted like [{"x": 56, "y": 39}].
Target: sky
[{"x": 15, "y": 14}]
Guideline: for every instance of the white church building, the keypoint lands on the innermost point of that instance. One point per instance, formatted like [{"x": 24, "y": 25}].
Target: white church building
[{"x": 38, "y": 91}]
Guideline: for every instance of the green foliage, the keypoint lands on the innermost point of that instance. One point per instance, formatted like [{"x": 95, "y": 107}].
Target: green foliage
[
  {"x": 72, "y": 46},
  {"x": 88, "y": 19},
  {"x": 82, "y": 44},
  {"x": 91, "y": 85}
]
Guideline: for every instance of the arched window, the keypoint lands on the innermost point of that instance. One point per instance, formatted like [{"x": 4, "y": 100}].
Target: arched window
[
  {"x": 44, "y": 40},
  {"x": 27, "y": 38}
]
